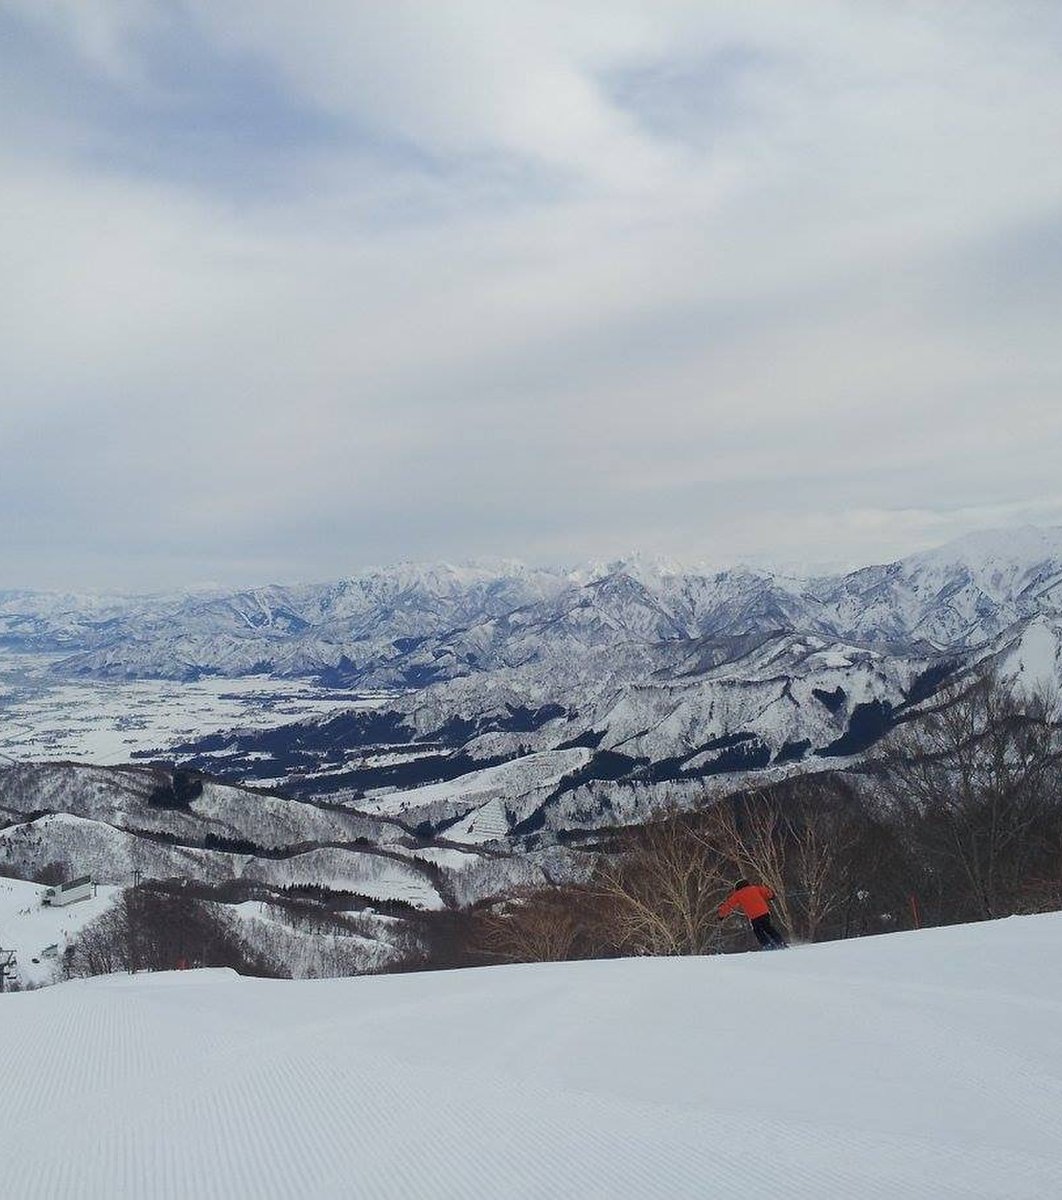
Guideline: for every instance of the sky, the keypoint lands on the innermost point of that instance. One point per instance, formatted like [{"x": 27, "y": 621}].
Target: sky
[{"x": 288, "y": 290}]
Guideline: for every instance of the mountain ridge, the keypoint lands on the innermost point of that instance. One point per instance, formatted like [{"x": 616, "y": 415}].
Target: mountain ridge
[{"x": 415, "y": 623}]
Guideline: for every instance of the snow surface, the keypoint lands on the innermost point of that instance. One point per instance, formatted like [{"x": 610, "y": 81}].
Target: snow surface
[
  {"x": 521, "y": 775},
  {"x": 922, "y": 1064},
  {"x": 1033, "y": 661},
  {"x": 377, "y": 876},
  {"x": 446, "y": 856},
  {"x": 309, "y": 953}
]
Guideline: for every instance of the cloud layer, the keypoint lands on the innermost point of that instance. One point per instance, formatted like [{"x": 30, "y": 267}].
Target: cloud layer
[{"x": 291, "y": 289}]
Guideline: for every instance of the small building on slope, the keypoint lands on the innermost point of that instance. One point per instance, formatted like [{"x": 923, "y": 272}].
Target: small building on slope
[{"x": 69, "y": 893}]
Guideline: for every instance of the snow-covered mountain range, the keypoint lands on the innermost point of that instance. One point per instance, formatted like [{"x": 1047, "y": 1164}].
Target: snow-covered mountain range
[
  {"x": 656, "y": 673},
  {"x": 656, "y": 678},
  {"x": 410, "y": 625},
  {"x": 294, "y": 630},
  {"x": 514, "y": 712}
]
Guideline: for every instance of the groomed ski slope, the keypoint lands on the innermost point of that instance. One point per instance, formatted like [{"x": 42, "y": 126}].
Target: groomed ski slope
[{"x": 917, "y": 1065}]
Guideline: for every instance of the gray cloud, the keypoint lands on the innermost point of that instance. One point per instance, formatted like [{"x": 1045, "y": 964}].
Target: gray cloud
[{"x": 288, "y": 291}]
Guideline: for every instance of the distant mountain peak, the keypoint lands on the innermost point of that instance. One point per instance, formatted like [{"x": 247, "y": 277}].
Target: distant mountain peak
[{"x": 1026, "y": 544}]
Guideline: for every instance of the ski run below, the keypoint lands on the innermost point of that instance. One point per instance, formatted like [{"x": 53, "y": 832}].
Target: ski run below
[
  {"x": 38, "y": 935},
  {"x": 914, "y": 1065}
]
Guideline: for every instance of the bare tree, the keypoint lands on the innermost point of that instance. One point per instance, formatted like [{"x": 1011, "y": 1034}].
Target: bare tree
[
  {"x": 660, "y": 894},
  {"x": 975, "y": 780},
  {"x": 531, "y": 926},
  {"x": 800, "y": 843}
]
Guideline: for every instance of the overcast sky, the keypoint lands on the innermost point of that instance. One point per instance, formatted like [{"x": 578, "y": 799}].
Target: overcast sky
[{"x": 289, "y": 289}]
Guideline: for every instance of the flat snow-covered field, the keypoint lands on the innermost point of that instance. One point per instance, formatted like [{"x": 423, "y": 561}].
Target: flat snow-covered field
[
  {"x": 103, "y": 721},
  {"x": 916, "y": 1065}
]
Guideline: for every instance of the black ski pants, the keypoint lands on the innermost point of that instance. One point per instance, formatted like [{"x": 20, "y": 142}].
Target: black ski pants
[{"x": 766, "y": 934}]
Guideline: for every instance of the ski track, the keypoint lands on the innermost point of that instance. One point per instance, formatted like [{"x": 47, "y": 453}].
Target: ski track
[{"x": 916, "y": 1065}]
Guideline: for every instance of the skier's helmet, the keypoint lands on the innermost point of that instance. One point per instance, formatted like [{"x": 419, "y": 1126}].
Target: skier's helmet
[{"x": 740, "y": 884}]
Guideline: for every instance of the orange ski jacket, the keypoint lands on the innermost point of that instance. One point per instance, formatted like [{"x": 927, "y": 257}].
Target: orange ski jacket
[{"x": 752, "y": 901}]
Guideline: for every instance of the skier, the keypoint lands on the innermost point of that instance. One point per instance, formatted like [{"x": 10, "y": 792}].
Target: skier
[{"x": 751, "y": 899}]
